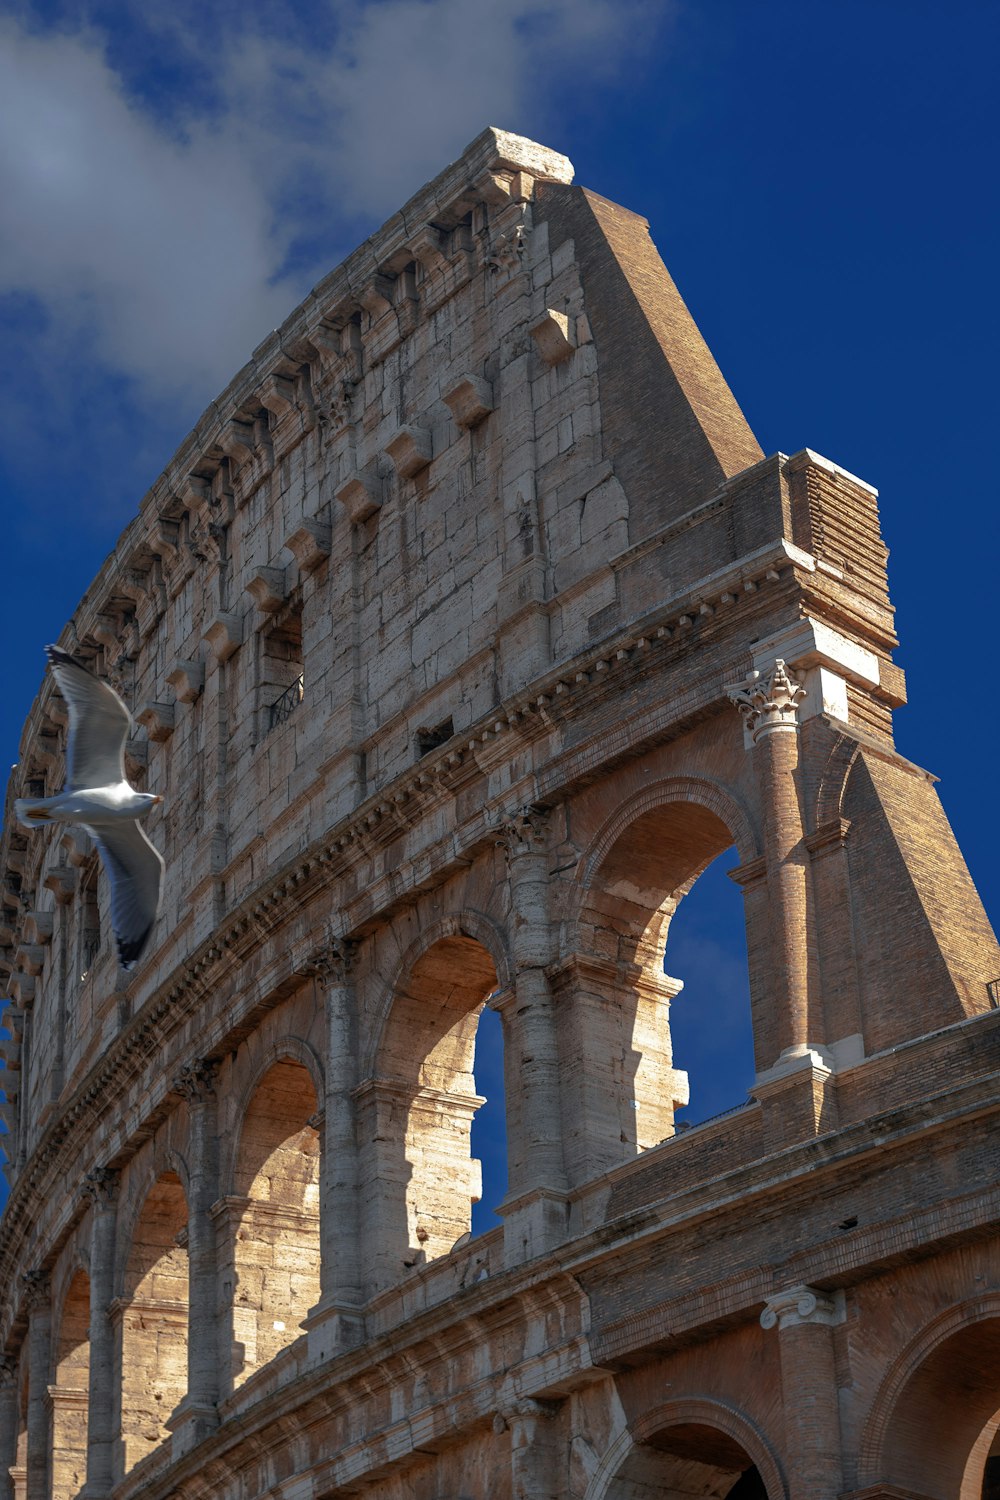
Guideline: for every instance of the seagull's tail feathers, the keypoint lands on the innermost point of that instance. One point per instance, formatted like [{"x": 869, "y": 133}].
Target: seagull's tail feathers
[{"x": 29, "y": 812}]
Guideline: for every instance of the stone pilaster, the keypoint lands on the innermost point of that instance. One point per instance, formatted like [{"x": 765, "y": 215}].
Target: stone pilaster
[
  {"x": 197, "y": 1413},
  {"x": 534, "y": 1210},
  {"x": 101, "y": 1188},
  {"x": 805, "y": 1319},
  {"x": 38, "y": 1299},
  {"x": 534, "y": 1448},
  {"x": 8, "y": 1423},
  {"x": 337, "y": 1322}
]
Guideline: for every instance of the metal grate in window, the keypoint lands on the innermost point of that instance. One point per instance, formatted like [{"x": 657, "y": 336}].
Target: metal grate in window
[{"x": 284, "y": 706}]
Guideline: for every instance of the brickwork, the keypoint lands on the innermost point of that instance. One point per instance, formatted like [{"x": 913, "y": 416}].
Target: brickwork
[{"x": 465, "y": 630}]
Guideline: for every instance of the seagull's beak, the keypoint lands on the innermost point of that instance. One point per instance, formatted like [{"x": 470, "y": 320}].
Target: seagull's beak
[{"x": 157, "y": 800}]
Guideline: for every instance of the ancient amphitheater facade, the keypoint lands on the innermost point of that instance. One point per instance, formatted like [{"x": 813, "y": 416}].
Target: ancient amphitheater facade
[{"x": 465, "y": 630}]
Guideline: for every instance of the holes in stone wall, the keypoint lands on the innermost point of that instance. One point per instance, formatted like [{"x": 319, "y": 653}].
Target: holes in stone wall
[
  {"x": 430, "y": 739},
  {"x": 274, "y": 1218}
]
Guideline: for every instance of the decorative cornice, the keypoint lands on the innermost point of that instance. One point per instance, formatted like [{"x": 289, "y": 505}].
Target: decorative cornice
[
  {"x": 768, "y": 700},
  {"x": 802, "y": 1304}
]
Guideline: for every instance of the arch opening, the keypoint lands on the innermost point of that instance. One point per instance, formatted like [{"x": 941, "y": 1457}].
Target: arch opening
[
  {"x": 688, "y": 1460},
  {"x": 275, "y": 1217},
  {"x": 488, "y": 1136},
  {"x": 417, "y": 1111},
  {"x": 710, "y": 1023},
  {"x": 941, "y": 1439},
  {"x": 154, "y": 1320},
  {"x": 630, "y": 1089},
  {"x": 70, "y": 1393}
]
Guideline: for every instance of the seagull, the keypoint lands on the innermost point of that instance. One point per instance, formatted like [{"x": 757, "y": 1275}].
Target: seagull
[{"x": 98, "y": 798}]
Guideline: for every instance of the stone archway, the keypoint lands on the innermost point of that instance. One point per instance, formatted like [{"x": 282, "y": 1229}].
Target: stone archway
[
  {"x": 612, "y": 994},
  {"x": 273, "y": 1216},
  {"x": 695, "y": 1447},
  {"x": 69, "y": 1394},
  {"x": 416, "y": 1110},
  {"x": 154, "y": 1319},
  {"x": 934, "y": 1421}
]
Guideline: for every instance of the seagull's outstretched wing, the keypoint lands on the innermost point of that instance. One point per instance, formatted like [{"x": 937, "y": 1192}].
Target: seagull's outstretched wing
[
  {"x": 99, "y": 724},
  {"x": 135, "y": 870}
]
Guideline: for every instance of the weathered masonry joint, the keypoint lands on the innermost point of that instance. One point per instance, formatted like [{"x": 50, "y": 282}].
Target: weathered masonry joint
[{"x": 464, "y": 631}]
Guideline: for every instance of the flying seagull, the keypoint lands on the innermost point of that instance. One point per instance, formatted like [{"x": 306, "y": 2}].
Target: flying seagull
[{"x": 98, "y": 797}]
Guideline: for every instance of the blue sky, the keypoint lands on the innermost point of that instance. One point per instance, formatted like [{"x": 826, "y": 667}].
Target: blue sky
[{"x": 820, "y": 179}]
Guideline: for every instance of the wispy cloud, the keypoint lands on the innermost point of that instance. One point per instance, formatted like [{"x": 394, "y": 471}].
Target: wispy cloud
[{"x": 168, "y": 201}]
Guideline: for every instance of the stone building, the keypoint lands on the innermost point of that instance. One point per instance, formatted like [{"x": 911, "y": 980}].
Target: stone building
[{"x": 468, "y": 626}]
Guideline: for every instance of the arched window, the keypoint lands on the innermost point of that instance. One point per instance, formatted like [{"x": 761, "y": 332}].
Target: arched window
[
  {"x": 274, "y": 1215},
  {"x": 935, "y": 1430},
  {"x": 488, "y": 1141},
  {"x": 710, "y": 1027},
  {"x": 154, "y": 1320},
  {"x": 416, "y": 1112},
  {"x": 69, "y": 1394},
  {"x": 698, "y": 1448},
  {"x": 614, "y": 998}
]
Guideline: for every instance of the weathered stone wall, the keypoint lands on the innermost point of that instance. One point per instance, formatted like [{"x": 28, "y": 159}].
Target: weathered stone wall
[{"x": 464, "y": 631}]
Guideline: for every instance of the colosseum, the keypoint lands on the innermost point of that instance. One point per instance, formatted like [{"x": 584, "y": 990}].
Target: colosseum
[{"x": 465, "y": 630}]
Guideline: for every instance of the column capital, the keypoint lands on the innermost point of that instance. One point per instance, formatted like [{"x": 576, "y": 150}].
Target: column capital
[
  {"x": 196, "y": 1080},
  {"x": 802, "y": 1304},
  {"x": 523, "y": 1409},
  {"x": 101, "y": 1186},
  {"x": 36, "y": 1287},
  {"x": 333, "y": 961},
  {"x": 524, "y": 831},
  {"x": 768, "y": 699}
]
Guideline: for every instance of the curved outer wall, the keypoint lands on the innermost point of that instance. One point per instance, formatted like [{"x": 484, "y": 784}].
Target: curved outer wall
[{"x": 435, "y": 632}]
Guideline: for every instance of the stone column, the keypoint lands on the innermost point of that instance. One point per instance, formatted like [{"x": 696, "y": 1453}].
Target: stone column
[
  {"x": 337, "y": 1320},
  {"x": 535, "y": 1471},
  {"x": 197, "y": 1414},
  {"x": 805, "y": 1319},
  {"x": 534, "y": 1211},
  {"x": 769, "y": 703},
  {"x": 101, "y": 1187},
  {"x": 37, "y": 1297},
  {"x": 8, "y": 1423},
  {"x": 793, "y": 1090}
]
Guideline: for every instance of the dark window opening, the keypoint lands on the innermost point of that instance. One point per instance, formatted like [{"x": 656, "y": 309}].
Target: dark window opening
[
  {"x": 430, "y": 739},
  {"x": 282, "y": 669},
  {"x": 90, "y": 920}
]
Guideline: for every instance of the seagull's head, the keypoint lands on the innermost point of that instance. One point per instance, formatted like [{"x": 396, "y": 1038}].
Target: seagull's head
[{"x": 144, "y": 803}]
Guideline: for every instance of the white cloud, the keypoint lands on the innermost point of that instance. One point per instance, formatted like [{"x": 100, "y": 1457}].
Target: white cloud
[{"x": 167, "y": 246}]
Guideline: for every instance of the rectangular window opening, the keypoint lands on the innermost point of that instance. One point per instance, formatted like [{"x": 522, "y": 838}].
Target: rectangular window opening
[{"x": 430, "y": 739}]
